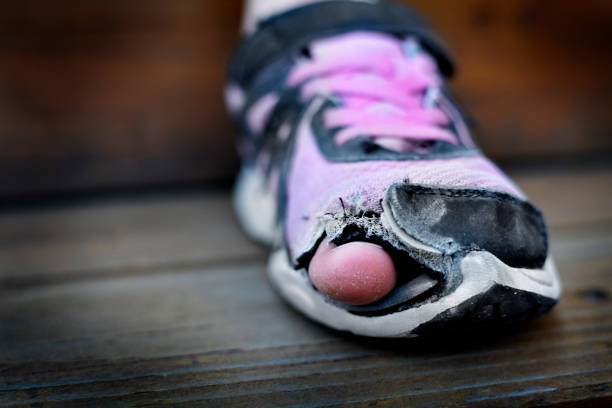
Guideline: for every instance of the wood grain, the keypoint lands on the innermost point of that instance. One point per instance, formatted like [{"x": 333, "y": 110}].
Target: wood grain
[
  {"x": 111, "y": 237},
  {"x": 149, "y": 301}
]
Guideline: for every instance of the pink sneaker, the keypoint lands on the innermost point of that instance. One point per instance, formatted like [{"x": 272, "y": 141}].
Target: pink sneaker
[{"x": 351, "y": 134}]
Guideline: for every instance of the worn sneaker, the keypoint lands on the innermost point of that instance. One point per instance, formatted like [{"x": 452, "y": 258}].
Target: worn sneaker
[{"x": 352, "y": 135}]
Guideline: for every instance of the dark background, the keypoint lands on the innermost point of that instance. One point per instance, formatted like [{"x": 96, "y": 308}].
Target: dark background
[
  {"x": 125, "y": 279},
  {"x": 98, "y": 96}
]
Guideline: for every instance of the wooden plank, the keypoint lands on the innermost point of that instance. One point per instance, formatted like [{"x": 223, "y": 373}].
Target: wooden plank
[
  {"x": 200, "y": 309},
  {"x": 119, "y": 237},
  {"x": 412, "y": 380},
  {"x": 570, "y": 197},
  {"x": 258, "y": 370},
  {"x": 166, "y": 314},
  {"x": 237, "y": 370},
  {"x": 141, "y": 332}
]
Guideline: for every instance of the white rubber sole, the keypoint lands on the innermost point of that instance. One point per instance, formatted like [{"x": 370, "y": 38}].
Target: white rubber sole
[
  {"x": 255, "y": 207},
  {"x": 481, "y": 271}
]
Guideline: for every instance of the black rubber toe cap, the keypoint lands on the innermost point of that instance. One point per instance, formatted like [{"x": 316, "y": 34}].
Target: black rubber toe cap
[{"x": 458, "y": 219}]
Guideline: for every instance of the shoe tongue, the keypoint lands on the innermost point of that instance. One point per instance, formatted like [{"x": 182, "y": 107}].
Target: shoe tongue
[{"x": 368, "y": 44}]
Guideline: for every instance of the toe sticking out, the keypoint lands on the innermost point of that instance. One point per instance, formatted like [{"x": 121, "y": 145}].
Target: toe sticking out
[{"x": 356, "y": 273}]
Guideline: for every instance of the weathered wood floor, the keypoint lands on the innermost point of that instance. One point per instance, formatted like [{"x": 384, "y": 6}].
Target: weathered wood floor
[{"x": 148, "y": 300}]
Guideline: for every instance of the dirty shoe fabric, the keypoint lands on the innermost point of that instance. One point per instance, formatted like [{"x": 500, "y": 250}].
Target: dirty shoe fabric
[{"x": 351, "y": 133}]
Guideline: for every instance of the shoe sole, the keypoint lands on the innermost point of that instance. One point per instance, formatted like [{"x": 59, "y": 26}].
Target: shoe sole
[
  {"x": 490, "y": 293},
  {"x": 255, "y": 207}
]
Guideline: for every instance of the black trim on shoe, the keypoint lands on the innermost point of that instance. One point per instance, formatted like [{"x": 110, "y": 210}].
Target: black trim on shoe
[
  {"x": 364, "y": 148},
  {"x": 282, "y": 36},
  {"x": 498, "y": 306},
  {"x": 453, "y": 219}
]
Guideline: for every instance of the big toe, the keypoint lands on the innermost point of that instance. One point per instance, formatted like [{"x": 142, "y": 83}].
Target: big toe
[{"x": 355, "y": 273}]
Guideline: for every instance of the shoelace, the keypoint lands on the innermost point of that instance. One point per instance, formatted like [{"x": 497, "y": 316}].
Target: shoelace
[{"x": 386, "y": 88}]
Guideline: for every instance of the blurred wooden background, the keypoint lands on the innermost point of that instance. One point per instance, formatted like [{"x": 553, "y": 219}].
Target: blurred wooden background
[{"x": 115, "y": 94}]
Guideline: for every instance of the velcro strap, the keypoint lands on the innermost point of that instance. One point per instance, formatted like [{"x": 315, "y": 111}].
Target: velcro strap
[{"x": 283, "y": 35}]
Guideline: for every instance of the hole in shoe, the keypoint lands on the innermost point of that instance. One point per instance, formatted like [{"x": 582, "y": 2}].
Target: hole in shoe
[{"x": 416, "y": 283}]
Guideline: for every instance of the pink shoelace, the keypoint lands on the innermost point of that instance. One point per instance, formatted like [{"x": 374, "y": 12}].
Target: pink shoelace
[{"x": 387, "y": 88}]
